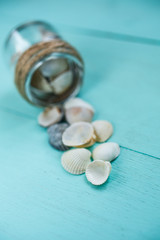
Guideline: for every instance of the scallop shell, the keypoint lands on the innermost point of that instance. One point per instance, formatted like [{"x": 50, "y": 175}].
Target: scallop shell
[
  {"x": 55, "y": 136},
  {"x": 78, "y": 134},
  {"x": 75, "y": 161},
  {"x": 106, "y": 151},
  {"x": 97, "y": 172},
  {"x": 77, "y": 102},
  {"x": 61, "y": 83},
  {"x": 103, "y": 130},
  {"x": 51, "y": 115}
]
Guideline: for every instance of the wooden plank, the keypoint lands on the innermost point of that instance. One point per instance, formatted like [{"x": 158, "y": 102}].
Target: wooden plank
[
  {"x": 121, "y": 82},
  {"x": 39, "y": 200},
  {"x": 140, "y": 18}
]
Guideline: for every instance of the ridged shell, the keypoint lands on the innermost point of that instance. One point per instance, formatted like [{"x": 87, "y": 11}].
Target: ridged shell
[
  {"x": 75, "y": 161},
  {"x": 78, "y": 114},
  {"x": 61, "y": 83},
  {"x": 78, "y": 134},
  {"x": 106, "y": 151},
  {"x": 77, "y": 102},
  {"x": 97, "y": 172},
  {"x": 103, "y": 130},
  {"x": 55, "y": 136},
  {"x": 51, "y": 115}
]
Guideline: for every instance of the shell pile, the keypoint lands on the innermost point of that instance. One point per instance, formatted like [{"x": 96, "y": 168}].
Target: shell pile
[{"x": 80, "y": 132}]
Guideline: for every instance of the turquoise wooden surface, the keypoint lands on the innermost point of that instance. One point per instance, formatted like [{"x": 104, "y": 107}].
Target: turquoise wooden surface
[{"x": 38, "y": 199}]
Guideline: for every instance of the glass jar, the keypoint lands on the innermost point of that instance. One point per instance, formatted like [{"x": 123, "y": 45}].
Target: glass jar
[{"x": 47, "y": 69}]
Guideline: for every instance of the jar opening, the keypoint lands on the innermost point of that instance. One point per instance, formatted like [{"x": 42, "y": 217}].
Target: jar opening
[{"x": 53, "y": 80}]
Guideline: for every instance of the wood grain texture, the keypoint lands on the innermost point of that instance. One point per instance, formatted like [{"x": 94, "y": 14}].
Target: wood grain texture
[{"x": 39, "y": 200}]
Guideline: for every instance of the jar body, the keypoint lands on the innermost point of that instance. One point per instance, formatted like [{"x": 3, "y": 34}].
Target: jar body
[{"x": 47, "y": 69}]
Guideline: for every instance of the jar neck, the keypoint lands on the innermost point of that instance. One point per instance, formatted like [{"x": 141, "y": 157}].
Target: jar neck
[{"x": 26, "y": 35}]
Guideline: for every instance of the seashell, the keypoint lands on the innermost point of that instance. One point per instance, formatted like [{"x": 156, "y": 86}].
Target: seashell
[
  {"x": 40, "y": 83},
  {"x": 78, "y": 134},
  {"x": 55, "y": 136},
  {"x": 78, "y": 114},
  {"x": 61, "y": 83},
  {"x": 103, "y": 130},
  {"x": 97, "y": 172},
  {"x": 51, "y": 115},
  {"x": 57, "y": 127},
  {"x": 42, "y": 94},
  {"x": 54, "y": 67},
  {"x": 77, "y": 102},
  {"x": 90, "y": 143},
  {"x": 106, "y": 151},
  {"x": 75, "y": 161},
  {"x": 77, "y": 110}
]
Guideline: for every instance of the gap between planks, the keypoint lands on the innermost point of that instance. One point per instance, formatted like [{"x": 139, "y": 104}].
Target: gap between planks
[{"x": 111, "y": 35}]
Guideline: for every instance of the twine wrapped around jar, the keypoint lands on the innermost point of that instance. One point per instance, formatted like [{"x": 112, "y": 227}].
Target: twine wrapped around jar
[{"x": 34, "y": 54}]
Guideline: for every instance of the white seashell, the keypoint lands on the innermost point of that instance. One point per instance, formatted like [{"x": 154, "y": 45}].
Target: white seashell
[
  {"x": 106, "y": 151},
  {"x": 61, "y": 83},
  {"x": 75, "y": 161},
  {"x": 77, "y": 102},
  {"x": 97, "y": 172},
  {"x": 40, "y": 83},
  {"x": 77, "y": 114},
  {"x": 51, "y": 115},
  {"x": 78, "y": 134},
  {"x": 53, "y": 67},
  {"x": 103, "y": 130}
]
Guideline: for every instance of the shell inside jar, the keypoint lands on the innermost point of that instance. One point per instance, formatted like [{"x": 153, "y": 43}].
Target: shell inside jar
[{"x": 53, "y": 79}]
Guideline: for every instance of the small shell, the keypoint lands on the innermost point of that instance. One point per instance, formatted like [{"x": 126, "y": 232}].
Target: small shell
[
  {"x": 53, "y": 67},
  {"x": 97, "y": 172},
  {"x": 40, "y": 83},
  {"x": 78, "y": 114},
  {"x": 78, "y": 134},
  {"x": 103, "y": 130},
  {"x": 106, "y": 151},
  {"x": 77, "y": 110},
  {"x": 55, "y": 136},
  {"x": 51, "y": 115},
  {"x": 75, "y": 161},
  {"x": 39, "y": 93},
  {"x": 61, "y": 83},
  {"x": 77, "y": 102}
]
